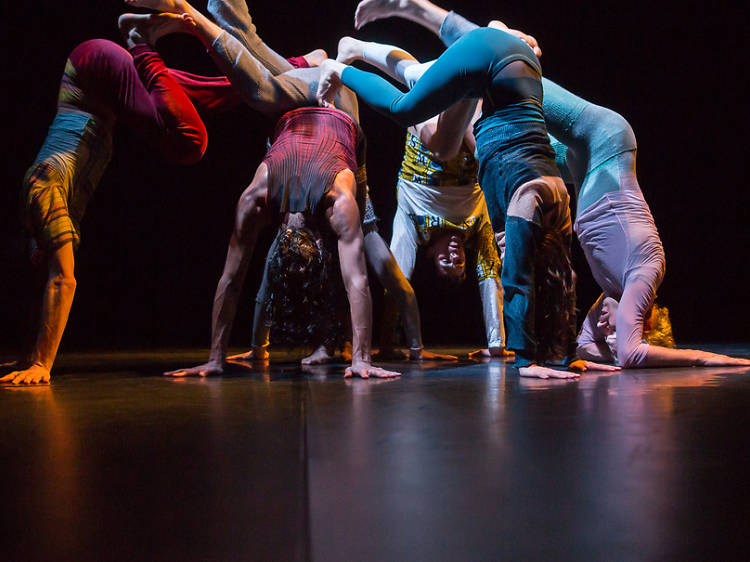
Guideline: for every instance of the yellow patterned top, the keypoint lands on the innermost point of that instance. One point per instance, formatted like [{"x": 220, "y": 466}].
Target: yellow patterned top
[{"x": 421, "y": 166}]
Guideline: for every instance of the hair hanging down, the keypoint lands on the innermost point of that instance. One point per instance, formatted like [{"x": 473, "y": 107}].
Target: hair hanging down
[
  {"x": 658, "y": 328},
  {"x": 555, "y": 308},
  {"x": 305, "y": 292}
]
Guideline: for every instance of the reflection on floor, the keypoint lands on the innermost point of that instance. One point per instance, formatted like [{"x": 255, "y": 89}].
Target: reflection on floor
[{"x": 461, "y": 461}]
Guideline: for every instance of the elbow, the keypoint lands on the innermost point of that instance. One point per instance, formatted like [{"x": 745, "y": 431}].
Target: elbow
[
  {"x": 632, "y": 358},
  {"x": 63, "y": 282}
]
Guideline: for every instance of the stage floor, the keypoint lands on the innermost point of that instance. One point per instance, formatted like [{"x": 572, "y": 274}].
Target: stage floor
[{"x": 460, "y": 461}]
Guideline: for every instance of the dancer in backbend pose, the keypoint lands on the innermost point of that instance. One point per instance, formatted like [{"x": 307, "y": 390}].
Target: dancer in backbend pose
[
  {"x": 595, "y": 149},
  {"x": 102, "y": 83},
  {"x": 525, "y": 196},
  {"x": 440, "y": 204},
  {"x": 323, "y": 193}
]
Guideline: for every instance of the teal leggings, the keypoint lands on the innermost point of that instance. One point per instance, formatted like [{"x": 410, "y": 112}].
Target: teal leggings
[{"x": 471, "y": 67}]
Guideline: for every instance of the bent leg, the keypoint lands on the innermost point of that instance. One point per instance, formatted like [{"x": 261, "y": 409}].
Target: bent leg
[
  {"x": 268, "y": 94},
  {"x": 143, "y": 95},
  {"x": 234, "y": 17},
  {"x": 461, "y": 71}
]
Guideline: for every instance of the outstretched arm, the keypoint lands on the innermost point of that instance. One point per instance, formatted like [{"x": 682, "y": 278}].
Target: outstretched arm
[
  {"x": 58, "y": 298},
  {"x": 636, "y": 300},
  {"x": 249, "y": 220},
  {"x": 345, "y": 222}
]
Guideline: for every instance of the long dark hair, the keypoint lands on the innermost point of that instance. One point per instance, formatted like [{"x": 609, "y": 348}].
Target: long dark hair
[
  {"x": 304, "y": 303},
  {"x": 555, "y": 306}
]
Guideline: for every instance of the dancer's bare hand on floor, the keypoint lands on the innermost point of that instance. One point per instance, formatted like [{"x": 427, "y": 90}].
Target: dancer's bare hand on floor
[
  {"x": 539, "y": 372},
  {"x": 582, "y": 365},
  {"x": 365, "y": 371},
  {"x": 206, "y": 370},
  {"x": 36, "y": 374},
  {"x": 709, "y": 359}
]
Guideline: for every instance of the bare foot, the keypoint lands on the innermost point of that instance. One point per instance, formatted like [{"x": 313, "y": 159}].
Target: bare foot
[
  {"x": 539, "y": 372},
  {"x": 316, "y": 57},
  {"x": 489, "y": 353},
  {"x": 320, "y": 356},
  {"x": 330, "y": 82},
  {"x": 425, "y": 355},
  {"x": 172, "y": 6},
  {"x": 148, "y": 28},
  {"x": 372, "y": 10},
  {"x": 350, "y": 49},
  {"x": 257, "y": 355}
]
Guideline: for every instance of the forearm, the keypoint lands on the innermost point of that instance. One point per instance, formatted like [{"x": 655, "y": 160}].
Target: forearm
[
  {"x": 57, "y": 300},
  {"x": 445, "y": 139},
  {"x": 360, "y": 305},
  {"x": 222, "y": 318},
  {"x": 233, "y": 17},
  {"x": 657, "y": 356},
  {"x": 491, "y": 293}
]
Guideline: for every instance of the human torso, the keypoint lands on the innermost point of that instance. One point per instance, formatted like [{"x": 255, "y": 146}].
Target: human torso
[{"x": 310, "y": 147}]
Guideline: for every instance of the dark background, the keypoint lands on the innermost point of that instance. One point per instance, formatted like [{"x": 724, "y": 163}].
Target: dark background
[{"x": 155, "y": 235}]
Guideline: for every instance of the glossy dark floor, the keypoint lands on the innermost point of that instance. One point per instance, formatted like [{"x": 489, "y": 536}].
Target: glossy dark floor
[{"x": 451, "y": 462}]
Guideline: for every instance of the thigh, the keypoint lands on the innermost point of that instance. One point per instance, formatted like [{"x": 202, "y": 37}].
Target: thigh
[{"x": 233, "y": 17}]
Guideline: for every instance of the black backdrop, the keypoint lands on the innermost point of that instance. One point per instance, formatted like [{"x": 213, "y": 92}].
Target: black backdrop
[{"x": 155, "y": 235}]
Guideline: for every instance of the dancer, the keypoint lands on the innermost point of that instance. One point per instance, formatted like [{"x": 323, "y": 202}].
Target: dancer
[
  {"x": 525, "y": 196},
  {"x": 440, "y": 203},
  {"x": 269, "y": 84},
  {"x": 102, "y": 83},
  {"x": 306, "y": 181},
  {"x": 596, "y": 150},
  {"x": 312, "y": 186}
]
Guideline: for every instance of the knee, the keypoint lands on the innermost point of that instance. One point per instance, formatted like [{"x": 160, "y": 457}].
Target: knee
[
  {"x": 618, "y": 131},
  {"x": 191, "y": 147}
]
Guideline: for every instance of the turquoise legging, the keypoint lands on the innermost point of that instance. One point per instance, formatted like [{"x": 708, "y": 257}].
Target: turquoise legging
[{"x": 471, "y": 67}]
